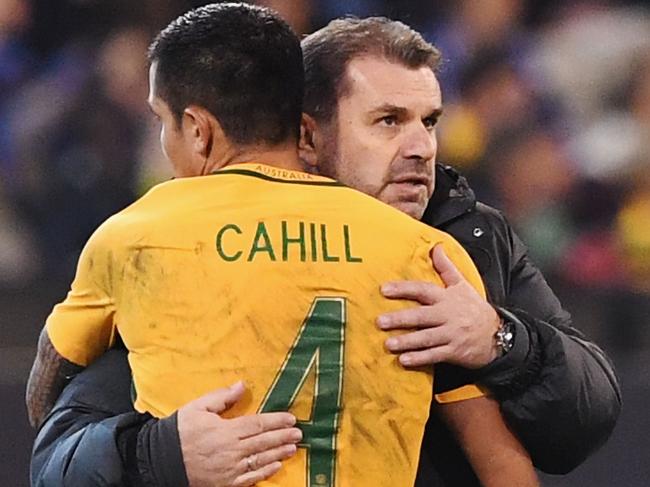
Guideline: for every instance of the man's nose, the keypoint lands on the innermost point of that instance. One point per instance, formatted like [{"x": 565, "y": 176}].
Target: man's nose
[{"x": 419, "y": 143}]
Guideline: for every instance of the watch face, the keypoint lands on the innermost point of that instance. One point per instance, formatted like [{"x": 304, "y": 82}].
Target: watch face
[
  {"x": 508, "y": 340},
  {"x": 505, "y": 337}
]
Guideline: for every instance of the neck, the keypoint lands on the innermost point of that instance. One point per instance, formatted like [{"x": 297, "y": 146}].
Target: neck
[{"x": 282, "y": 156}]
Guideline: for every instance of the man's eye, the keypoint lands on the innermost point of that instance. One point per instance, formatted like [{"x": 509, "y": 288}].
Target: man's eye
[
  {"x": 430, "y": 122},
  {"x": 388, "y": 120}
]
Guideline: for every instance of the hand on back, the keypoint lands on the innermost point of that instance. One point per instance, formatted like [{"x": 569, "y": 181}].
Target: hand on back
[
  {"x": 237, "y": 452},
  {"x": 454, "y": 324}
]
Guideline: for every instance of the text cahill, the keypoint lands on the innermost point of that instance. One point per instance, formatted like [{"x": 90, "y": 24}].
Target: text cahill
[{"x": 313, "y": 242}]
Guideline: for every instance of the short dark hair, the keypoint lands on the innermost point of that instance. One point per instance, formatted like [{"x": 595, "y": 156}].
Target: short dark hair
[
  {"x": 241, "y": 62},
  {"x": 328, "y": 51}
]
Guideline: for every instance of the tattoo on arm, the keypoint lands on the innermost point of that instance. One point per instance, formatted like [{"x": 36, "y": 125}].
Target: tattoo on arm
[{"x": 50, "y": 373}]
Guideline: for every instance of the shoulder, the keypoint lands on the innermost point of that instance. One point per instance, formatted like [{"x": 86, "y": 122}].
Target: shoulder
[
  {"x": 496, "y": 224},
  {"x": 126, "y": 224},
  {"x": 478, "y": 224},
  {"x": 156, "y": 201},
  {"x": 381, "y": 215},
  {"x": 490, "y": 213}
]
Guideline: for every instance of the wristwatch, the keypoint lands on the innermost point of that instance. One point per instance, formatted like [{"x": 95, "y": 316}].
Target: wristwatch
[{"x": 505, "y": 337}]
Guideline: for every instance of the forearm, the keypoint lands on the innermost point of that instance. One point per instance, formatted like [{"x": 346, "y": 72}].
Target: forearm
[
  {"x": 558, "y": 391},
  {"x": 572, "y": 392},
  {"x": 129, "y": 449},
  {"x": 78, "y": 440},
  {"x": 94, "y": 437},
  {"x": 49, "y": 375},
  {"x": 561, "y": 397},
  {"x": 76, "y": 447},
  {"x": 500, "y": 461}
]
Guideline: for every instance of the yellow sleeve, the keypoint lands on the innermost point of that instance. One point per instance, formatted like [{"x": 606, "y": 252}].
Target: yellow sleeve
[
  {"x": 463, "y": 262},
  {"x": 81, "y": 328},
  {"x": 462, "y": 393}
]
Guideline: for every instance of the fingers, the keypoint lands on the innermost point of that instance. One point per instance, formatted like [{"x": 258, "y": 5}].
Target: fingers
[
  {"x": 426, "y": 357},
  {"x": 264, "y": 453},
  {"x": 422, "y": 316},
  {"x": 270, "y": 439},
  {"x": 422, "y": 292},
  {"x": 445, "y": 267},
  {"x": 259, "y": 466},
  {"x": 251, "y": 478},
  {"x": 260, "y": 460},
  {"x": 247, "y": 426},
  {"x": 425, "y": 292},
  {"x": 418, "y": 340},
  {"x": 220, "y": 400}
]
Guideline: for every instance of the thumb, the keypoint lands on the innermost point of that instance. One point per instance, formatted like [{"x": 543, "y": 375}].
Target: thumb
[
  {"x": 221, "y": 400},
  {"x": 445, "y": 267}
]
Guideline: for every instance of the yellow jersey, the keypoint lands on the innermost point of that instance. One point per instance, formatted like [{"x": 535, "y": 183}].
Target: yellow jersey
[{"x": 271, "y": 276}]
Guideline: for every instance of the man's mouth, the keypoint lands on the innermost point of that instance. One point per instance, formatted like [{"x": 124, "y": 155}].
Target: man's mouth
[
  {"x": 413, "y": 188},
  {"x": 412, "y": 179}
]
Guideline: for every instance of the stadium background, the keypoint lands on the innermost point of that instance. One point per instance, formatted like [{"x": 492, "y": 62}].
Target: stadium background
[{"x": 547, "y": 111}]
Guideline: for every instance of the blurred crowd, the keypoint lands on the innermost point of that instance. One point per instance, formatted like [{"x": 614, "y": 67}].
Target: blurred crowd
[{"x": 547, "y": 112}]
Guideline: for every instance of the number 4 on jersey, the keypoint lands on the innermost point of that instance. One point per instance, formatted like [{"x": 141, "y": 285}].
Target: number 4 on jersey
[{"x": 319, "y": 344}]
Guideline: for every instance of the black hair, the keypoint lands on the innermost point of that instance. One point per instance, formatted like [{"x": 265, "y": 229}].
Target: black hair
[{"x": 241, "y": 62}]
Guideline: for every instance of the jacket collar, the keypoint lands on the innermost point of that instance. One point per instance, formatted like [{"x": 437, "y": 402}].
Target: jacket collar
[{"x": 452, "y": 197}]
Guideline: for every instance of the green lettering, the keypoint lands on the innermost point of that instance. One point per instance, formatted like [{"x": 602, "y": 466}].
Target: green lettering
[
  {"x": 348, "y": 252},
  {"x": 222, "y": 254},
  {"x": 261, "y": 234},
  {"x": 326, "y": 256},
  {"x": 286, "y": 241},
  {"x": 314, "y": 245},
  {"x": 320, "y": 345}
]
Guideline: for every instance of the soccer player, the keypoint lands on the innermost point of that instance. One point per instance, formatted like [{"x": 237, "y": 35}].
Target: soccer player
[
  {"x": 549, "y": 362},
  {"x": 246, "y": 266}
]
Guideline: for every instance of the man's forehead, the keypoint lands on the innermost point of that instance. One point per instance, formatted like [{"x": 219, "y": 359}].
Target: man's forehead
[{"x": 379, "y": 80}]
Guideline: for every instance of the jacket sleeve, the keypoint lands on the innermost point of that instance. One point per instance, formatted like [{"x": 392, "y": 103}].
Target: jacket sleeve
[
  {"x": 93, "y": 437},
  {"x": 558, "y": 390}
]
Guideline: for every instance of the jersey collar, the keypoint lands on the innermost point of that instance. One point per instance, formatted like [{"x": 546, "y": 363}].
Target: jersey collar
[{"x": 273, "y": 173}]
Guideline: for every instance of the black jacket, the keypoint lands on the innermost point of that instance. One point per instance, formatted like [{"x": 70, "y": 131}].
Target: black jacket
[{"x": 557, "y": 390}]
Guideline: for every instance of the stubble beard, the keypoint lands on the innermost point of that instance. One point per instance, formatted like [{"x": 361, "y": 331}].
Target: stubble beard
[{"x": 332, "y": 166}]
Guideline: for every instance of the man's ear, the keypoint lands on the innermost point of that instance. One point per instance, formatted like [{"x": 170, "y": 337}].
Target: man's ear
[
  {"x": 201, "y": 129},
  {"x": 307, "y": 145}
]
